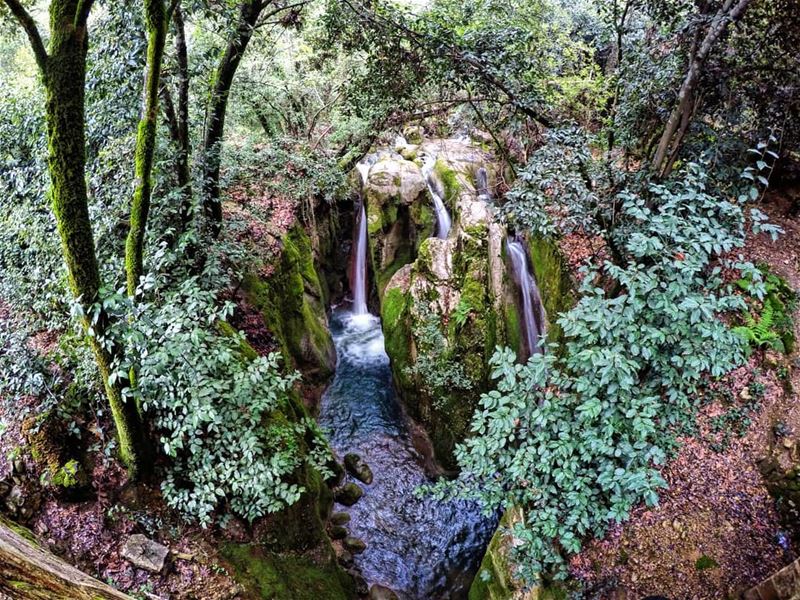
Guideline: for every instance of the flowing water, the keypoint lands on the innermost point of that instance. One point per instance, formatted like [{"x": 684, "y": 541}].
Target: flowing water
[
  {"x": 358, "y": 282},
  {"x": 419, "y": 547},
  {"x": 443, "y": 221},
  {"x": 533, "y": 317},
  {"x": 482, "y": 184}
]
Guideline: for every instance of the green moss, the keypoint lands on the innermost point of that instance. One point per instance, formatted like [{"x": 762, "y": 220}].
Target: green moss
[
  {"x": 705, "y": 562},
  {"x": 245, "y": 349},
  {"x": 555, "y": 285},
  {"x": 21, "y": 531},
  {"x": 449, "y": 181},
  {"x": 397, "y": 334},
  {"x": 286, "y": 576},
  {"x": 291, "y": 303}
]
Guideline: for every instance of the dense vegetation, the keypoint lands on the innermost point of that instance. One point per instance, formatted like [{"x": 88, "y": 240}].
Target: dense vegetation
[{"x": 652, "y": 127}]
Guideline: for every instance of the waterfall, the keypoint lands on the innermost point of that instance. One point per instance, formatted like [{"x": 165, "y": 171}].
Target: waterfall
[
  {"x": 443, "y": 221},
  {"x": 359, "y": 279},
  {"x": 533, "y": 317},
  {"x": 482, "y": 183}
]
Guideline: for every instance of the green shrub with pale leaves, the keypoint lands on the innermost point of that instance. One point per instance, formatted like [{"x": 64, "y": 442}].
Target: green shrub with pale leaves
[{"x": 576, "y": 436}]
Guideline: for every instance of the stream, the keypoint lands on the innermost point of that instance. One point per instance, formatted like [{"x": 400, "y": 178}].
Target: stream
[{"x": 419, "y": 547}]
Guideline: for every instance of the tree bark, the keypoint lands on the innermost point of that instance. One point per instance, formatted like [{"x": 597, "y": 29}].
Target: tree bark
[
  {"x": 64, "y": 72},
  {"x": 180, "y": 131},
  {"x": 675, "y": 129},
  {"x": 156, "y": 20},
  {"x": 218, "y": 104},
  {"x": 27, "y": 571}
]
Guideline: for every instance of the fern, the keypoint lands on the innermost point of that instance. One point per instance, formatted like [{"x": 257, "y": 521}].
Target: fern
[{"x": 762, "y": 331}]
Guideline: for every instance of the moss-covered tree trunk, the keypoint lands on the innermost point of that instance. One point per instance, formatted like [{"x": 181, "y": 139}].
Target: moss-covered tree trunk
[
  {"x": 63, "y": 70},
  {"x": 218, "y": 105},
  {"x": 156, "y": 20}
]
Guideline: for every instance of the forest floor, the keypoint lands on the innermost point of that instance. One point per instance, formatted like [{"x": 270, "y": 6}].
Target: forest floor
[
  {"x": 90, "y": 532},
  {"x": 716, "y": 531}
]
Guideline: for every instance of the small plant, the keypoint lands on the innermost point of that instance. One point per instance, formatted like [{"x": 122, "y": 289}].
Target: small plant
[
  {"x": 772, "y": 326},
  {"x": 705, "y": 562},
  {"x": 780, "y": 429}
]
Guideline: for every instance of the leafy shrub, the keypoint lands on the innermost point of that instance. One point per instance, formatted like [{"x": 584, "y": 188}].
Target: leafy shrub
[
  {"x": 438, "y": 371},
  {"x": 575, "y": 437},
  {"x": 224, "y": 417}
]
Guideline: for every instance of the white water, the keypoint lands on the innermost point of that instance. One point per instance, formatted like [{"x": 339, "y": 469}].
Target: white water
[
  {"x": 482, "y": 180},
  {"x": 533, "y": 319},
  {"x": 359, "y": 283},
  {"x": 443, "y": 221}
]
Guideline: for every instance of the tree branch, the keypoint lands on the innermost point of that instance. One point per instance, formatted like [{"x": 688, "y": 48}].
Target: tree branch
[
  {"x": 29, "y": 25},
  {"x": 82, "y": 12}
]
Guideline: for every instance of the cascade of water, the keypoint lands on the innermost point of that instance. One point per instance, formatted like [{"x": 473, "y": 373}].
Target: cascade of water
[
  {"x": 359, "y": 283},
  {"x": 443, "y": 221},
  {"x": 482, "y": 180},
  {"x": 533, "y": 317}
]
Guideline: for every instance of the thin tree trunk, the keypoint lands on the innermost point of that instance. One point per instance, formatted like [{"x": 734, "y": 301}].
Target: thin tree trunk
[
  {"x": 669, "y": 144},
  {"x": 218, "y": 104},
  {"x": 184, "y": 175},
  {"x": 64, "y": 73},
  {"x": 156, "y": 19}
]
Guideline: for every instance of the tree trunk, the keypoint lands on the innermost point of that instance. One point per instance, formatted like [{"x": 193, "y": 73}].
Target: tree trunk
[
  {"x": 64, "y": 73},
  {"x": 181, "y": 133},
  {"x": 677, "y": 124},
  {"x": 156, "y": 19},
  {"x": 218, "y": 104},
  {"x": 27, "y": 571}
]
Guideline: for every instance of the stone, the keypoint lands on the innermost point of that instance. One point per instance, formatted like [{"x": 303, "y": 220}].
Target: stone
[
  {"x": 381, "y": 592},
  {"x": 337, "y": 532},
  {"x": 361, "y": 585},
  {"x": 144, "y": 553},
  {"x": 354, "y": 544},
  {"x": 414, "y": 134},
  {"x": 19, "y": 466},
  {"x": 395, "y": 178},
  {"x": 15, "y": 499},
  {"x": 340, "y": 518},
  {"x": 348, "y": 494},
  {"x": 345, "y": 559},
  {"x": 358, "y": 468}
]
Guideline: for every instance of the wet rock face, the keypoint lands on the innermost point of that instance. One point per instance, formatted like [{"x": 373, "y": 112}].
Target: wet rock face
[{"x": 460, "y": 281}]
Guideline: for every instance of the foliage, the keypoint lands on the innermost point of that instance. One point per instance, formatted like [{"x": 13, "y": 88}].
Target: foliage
[
  {"x": 575, "y": 437},
  {"x": 226, "y": 420},
  {"x": 437, "y": 370},
  {"x": 772, "y": 326}
]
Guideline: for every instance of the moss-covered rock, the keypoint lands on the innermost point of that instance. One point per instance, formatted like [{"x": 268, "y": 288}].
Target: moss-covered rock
[
  {"x": 58, "y": 455},
  {"x": 286, "y": 576},
  {"x": 454, "y": 282},
  {"x": 292, "y": 302}
]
